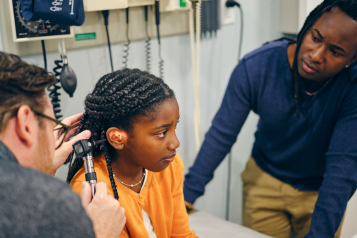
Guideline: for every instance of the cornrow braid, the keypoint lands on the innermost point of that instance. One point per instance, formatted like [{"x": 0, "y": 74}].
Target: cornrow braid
[
  {"x": 349, "y": 7},
  {"x": 119, "y": 99}
]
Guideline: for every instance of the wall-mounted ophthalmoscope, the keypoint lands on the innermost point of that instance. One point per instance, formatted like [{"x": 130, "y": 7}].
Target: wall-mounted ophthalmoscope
[{"x": 83, "y": 149}]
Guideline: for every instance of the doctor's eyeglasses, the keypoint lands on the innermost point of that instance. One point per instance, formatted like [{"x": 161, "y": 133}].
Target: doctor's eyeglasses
[{"x": 60, "y": 130}]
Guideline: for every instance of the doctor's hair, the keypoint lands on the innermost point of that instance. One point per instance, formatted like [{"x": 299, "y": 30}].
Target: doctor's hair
[
  {"x": 119, "y": 99},
  {"x": 21, "y": 83},
  {"x": 349, "y": 7}
]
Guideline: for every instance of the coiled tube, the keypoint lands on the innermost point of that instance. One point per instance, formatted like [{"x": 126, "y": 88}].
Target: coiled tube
[
  {"x": 157, "y": 21},
  {"x": 126, "y": 54},
  {"x": 126, "y": 45},
  {"x": 161, "y": 65},
  {"x": 54, "y": 94},
  {"x": 147, "y": 42},
  {"x": 148, "y": 54}
]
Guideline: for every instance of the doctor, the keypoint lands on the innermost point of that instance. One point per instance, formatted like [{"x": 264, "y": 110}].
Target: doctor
[
  {"x": 303, "y": 168},
  {"x": 33, "y": 204}
]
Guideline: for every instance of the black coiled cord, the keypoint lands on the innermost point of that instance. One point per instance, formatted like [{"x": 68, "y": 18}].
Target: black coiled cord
[
  {"x": 126, "y": 45},
  {"x": 147, "y": 42},
  {"x": 161, "y": 64},
  {"x": 157, "y": 21},
  {"x": 54, "y": 94}
]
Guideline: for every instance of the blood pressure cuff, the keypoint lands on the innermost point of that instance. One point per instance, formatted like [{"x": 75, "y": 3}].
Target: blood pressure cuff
[{"x": 63, "y": 12}]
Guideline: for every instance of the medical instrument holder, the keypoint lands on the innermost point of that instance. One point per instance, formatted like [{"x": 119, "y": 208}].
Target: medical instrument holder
[{"x": 84, "y": 148}]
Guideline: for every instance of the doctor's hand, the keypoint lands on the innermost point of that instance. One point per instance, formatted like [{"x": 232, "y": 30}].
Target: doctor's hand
[
  {"x": 65, "y": 146},
  {"x": 107, "y": 216}
]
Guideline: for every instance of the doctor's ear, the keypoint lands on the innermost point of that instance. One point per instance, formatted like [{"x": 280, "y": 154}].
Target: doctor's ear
[{"x": 117, "y": 138}]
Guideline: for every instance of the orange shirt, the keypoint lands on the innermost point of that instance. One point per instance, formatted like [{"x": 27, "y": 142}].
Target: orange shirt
[{"x": 161, "y": 197}]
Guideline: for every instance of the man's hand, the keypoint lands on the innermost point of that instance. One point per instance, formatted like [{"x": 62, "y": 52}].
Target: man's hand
[
  {"x": 62, "y": 153},
  {"x": 107, "y": 216}
]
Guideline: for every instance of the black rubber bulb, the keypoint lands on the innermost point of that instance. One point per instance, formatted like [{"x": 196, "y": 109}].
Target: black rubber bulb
[{"x": 68, "y": 80}]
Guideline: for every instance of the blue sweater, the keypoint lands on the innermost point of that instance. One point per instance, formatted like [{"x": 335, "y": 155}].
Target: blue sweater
[{"x": 316, "y": 151}]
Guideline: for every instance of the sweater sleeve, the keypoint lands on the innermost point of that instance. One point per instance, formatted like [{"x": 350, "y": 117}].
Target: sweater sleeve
[
  {"x": 180, "y": 222},
  {"x": 340, "y": 179},
  {"x": 223, "y": 133}
]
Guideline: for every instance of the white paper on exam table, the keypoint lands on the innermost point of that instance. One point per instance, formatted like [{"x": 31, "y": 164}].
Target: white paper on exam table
[{"x": 208, "y": 226}]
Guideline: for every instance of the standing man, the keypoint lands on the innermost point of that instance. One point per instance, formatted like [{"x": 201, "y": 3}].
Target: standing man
[
  {"x": 303, "y": 168},
  {"x": 34, "y": 204}
]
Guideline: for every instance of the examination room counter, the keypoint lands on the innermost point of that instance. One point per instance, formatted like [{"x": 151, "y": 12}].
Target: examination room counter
[{"x": 208, "y": 226}]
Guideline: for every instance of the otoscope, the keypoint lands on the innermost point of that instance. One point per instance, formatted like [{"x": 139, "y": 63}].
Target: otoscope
[{"x": 84, "y": 148}]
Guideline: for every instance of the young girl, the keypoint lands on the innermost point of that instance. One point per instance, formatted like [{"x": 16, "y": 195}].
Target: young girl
[{"x": 137, "y": 113}]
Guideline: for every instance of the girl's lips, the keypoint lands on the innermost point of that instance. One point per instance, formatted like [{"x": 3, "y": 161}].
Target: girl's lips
[{"x": 170, "y": 159}]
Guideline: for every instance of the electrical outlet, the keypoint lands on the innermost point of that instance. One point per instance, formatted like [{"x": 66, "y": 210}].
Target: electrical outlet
[{"x": 228, "y": 15}]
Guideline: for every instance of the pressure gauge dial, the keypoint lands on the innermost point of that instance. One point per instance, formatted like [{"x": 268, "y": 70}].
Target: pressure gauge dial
[{"x": 35, "y": 30}]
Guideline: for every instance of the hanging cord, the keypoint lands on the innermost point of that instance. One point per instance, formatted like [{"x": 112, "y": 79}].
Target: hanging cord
[
  {"x": 126, "y": 45},
  {"x": 157, "y": 20},
  {"x": 44, "y": 54},
  {"x": 195, "y": 60},
  {"x": 232, "y": 3},
  {"x": 62, "y": 48},
  {"x": 54, "y": 94},
  {"x": 147, "y": 42},
  {"x": 241, "y": 34},
  {"x": 106, "y": 16}
]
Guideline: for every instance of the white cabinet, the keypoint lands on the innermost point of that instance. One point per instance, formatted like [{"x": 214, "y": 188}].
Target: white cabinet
[{"x": 294, "y": 13}]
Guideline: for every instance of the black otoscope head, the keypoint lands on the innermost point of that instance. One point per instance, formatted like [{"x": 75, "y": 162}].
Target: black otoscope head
[
  {"x": 83, "y": 147},
  {"x": 232, "y": 3}
]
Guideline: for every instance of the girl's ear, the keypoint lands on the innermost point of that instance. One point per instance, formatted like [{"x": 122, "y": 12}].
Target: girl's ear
[{"x": 117, "y": 138}]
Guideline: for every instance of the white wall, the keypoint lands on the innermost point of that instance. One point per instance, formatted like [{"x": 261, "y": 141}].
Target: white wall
[{"x": 218, "y": 58}]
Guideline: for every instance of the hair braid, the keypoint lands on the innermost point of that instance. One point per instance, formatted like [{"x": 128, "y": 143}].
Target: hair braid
[
  {"x": 119, "y": 99},
  {"x": 349, "y": 7},
  {"x": 109, "y": 165}
]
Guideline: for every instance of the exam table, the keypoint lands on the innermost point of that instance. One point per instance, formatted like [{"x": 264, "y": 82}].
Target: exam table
[{"x": 208, "y": 226}]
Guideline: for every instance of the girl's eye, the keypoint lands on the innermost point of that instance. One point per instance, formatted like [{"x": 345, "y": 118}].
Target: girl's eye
[
  {"x": 177, "y": 123},
  {"x": 162, "y": 134}
]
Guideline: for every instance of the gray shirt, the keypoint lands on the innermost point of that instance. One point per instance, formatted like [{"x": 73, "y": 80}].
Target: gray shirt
[{"x": 33, "y": 204}]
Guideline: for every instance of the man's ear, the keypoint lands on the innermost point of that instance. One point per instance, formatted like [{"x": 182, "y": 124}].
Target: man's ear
[
  {"x": 117, "y": 138},
  {"x": 26, "y": 125},
  {"x": 354, "y": 58}
]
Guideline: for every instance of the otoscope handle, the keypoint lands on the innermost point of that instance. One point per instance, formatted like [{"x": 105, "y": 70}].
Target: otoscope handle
[{"x": 91, "y": 176}]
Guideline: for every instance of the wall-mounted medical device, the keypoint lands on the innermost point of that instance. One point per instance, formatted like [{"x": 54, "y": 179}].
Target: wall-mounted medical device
[
  {"x": 41, "y": 29},
  {"x": 294, "y": 13},
  {"x": 92, "y": 32}
]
